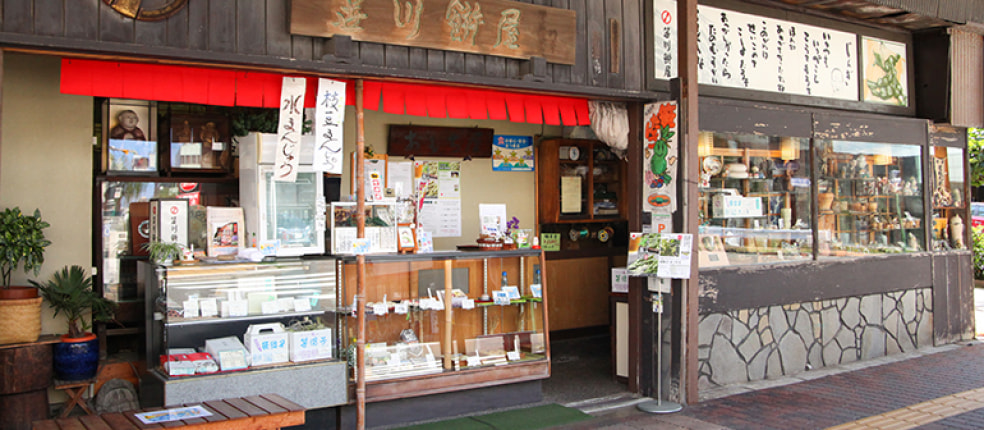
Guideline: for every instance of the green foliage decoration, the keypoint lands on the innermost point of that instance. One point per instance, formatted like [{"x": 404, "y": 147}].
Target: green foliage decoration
[
  {"x": 975, "y": 151},
  {"x": 977, "y": 237},
  {"x": 69, "y": 292},
  {"x": 22, "y": 242}
]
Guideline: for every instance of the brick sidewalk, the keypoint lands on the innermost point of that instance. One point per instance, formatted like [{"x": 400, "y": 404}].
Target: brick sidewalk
[{"x": 832, "y": 400}]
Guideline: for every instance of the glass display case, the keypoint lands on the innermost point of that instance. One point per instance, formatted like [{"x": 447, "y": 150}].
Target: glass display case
[
  {"x": 951, "y": 226},
  {"x": 243, "y": 329},
  {"x": 870, "y": 198},
  {"x": 448, "y": 320},
  {"x": 754, "y": 199},
  {"x": 189, "y": 305}
]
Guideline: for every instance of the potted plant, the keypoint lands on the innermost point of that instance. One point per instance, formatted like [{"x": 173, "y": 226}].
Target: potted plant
[
  {"x": 163, "y": 253},
  {"x": 70, "y": 292},
  {"x": 22, "y": 245}
]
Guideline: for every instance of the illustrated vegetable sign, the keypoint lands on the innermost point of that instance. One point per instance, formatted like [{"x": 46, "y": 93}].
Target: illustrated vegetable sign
[
  {"x": 659, "y": 161},
  {"x": 886, "y": 69}
]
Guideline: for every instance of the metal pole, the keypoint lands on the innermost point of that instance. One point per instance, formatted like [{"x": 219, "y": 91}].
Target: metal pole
[
  {"x": 659, "y": 407},
  {"x": 360, "y": 260}
]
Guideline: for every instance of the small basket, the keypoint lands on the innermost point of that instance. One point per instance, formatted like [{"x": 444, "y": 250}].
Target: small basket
[{"x": 20, "y": 320}]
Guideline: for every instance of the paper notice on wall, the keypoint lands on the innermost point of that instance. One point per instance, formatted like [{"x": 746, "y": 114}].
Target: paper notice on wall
[
  {"x": 660, "y": 255},
  {"x": 570, "y": 194},
  {"x": 441, "y": 217},
  {"x": 329, "y": 120},
  {"x": 289, "y": 129},
  {"x": 676, "y": 264}
]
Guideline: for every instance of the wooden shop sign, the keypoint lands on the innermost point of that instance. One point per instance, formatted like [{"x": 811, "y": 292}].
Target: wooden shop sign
[
  {"x": 422, "y": 141},
  {"x": 493, "y": 27}
]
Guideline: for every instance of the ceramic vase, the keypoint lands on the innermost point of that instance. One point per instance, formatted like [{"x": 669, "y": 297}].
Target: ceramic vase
[{"x": 76, "y": 359}]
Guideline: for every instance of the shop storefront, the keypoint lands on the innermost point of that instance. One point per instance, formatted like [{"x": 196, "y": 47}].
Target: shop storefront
[{"x": 829, "y": 223}]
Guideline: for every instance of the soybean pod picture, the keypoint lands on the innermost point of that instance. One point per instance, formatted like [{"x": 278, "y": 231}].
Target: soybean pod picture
[
  {"x": 885, "y": 72},
  {"x": 644, "y": 252}
]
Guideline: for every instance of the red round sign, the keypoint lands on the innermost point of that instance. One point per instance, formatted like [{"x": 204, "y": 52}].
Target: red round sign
[
  {"x": 666, "y": 17},
  {"x": 187, "y": 187},
  {"x": 174, "y": 210}
]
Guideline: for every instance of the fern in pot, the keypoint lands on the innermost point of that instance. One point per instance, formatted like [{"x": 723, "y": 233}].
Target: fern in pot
[
  {"x": 163, "y": 253},
  {"x": 69, "y": 292}
]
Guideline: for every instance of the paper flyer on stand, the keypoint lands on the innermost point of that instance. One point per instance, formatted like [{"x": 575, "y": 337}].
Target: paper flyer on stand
[
  {"x": 660, "y": 255},
  {"x": 175, "y": 414}
]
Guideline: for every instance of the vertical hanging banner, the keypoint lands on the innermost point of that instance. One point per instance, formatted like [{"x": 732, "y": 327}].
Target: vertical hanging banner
[
  {"x": 329, "y": 117},
  {"x": 659, "y": 161},
  {"x": 289, "y": 129}
]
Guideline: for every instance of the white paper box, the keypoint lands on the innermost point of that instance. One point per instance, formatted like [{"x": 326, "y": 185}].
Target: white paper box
[
  {"x": 310, "y": 345},
  {"x": 229, "y": 352},
  {"x": 267, "y": 343},
  {"x": 726, "y": 206}
]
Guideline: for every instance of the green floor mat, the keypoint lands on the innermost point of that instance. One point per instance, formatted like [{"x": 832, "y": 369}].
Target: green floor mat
[{"x": 534, "y": 418}]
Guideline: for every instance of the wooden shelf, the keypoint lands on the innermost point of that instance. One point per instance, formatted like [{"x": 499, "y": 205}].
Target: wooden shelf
[{"x": 550, "y": 168}]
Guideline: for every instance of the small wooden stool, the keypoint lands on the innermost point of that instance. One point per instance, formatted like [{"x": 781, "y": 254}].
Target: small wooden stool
[{"x": 75, "y": 391}]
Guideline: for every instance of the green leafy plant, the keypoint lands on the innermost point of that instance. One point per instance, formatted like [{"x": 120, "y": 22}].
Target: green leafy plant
[
  {"x": 244, "y": 120},
  {"x": 22, "y": 242},
  {"x": 977, "y": 236},
  {"x": 975, "y": 151},
  {"x": 163, "y": 252},
  {"x": 70, "y": 292}
]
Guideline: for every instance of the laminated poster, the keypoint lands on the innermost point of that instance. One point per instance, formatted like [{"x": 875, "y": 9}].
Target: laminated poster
[
  {"x": 512, "y": 153},
  {"x": 439, "y": 194},
  {"x": 660, "y": 255}
]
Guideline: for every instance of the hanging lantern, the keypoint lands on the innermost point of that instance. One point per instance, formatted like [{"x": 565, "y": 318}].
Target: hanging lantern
[
  {"x": 789, "y": 148},
  {"x": 705, "y": 142}
]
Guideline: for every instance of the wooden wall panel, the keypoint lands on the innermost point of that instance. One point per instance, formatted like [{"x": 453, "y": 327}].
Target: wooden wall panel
[
  {"x": 82, "y": 19},
  {"x": 578, "y": 293},
  {"x": 277, "y": 29},
  {"x": 474, "y": 64},
  {"x": 370, "y": 54},
  {"x": 302, "y": 48},
  {"x": 418, "y": 58},
  {"x": 613, "y": 24},
  {"x": 454, "y": 62},
  {"x": 114, "y": 27},
  {"x": 198, "y": 24},
  {"x": 632, "y": 55},
  {"x": 597, "y": 44},
  {"x": 495, "y": 67},
  {"x": 222, "y": 25},
  {"x": 397, "y": 57},
  {"x": 579, "y": 73},
  {"x": 435, "y": 60},
  {"x": 18, "y": 16},
  {"x": 177, "y": 29},
  {"x": 49, "y": 17},
  {"x": 250, "y": 39},
  {"x": 151, "y": 33}
]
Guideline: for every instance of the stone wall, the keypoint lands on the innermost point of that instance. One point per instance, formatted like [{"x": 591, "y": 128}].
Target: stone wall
[{"x": 762, "y": 343}]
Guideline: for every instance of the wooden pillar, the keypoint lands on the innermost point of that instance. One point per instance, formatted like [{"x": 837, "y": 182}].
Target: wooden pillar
[
  {"x": 689, "y": 129},
  {"x": 360, "y": 261}
]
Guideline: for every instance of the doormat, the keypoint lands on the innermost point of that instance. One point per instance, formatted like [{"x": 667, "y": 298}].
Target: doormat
[{"x": 538, "y": 417}]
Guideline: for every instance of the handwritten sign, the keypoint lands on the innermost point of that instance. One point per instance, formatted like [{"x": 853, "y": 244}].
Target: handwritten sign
[
  {"x": 495, "y": 27},
  {"x": 289, "y": 129},
  {"x": 550, "y": 241},
  {"x": 659, "y": 164},
  {"x": 329, "y": 117},
  {"x": 740, "y": 50}
]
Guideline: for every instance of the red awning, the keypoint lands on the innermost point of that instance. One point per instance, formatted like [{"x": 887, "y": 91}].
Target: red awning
[{"x": 223, "y": 87}]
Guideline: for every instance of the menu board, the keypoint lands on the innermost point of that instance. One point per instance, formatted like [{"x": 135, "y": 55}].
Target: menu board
[{"x": 747, "y": 51}]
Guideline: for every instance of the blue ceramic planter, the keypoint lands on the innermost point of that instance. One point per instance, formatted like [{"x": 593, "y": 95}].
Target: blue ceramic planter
[{"x": 76, "y": 360}]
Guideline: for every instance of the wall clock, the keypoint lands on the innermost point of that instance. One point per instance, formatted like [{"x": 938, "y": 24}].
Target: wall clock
[{"x": 147, "y": 10}]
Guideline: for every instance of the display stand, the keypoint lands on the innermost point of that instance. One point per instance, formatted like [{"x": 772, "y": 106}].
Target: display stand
[{"x": 658, "y": 406}]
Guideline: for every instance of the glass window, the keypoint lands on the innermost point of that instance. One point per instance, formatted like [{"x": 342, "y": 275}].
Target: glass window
[
  {"x": 949, "y": 205},
  {"x": 870, "y": 198},
  {"x": 754, "y": 199}
]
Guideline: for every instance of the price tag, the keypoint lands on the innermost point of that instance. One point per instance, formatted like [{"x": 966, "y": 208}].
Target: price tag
[
  {"x": 208, "y": 307},
  {"x": 401, "y": 308},
  {"x": 620, "y": 280},
  {"x": 268, "y": 308},
  {"x": 474, "y": 360},
  {"x": 238, "y": 308},
  {"x": 190, "y": 309},
  {"x": 302, "y": 304},
  {"x": 380, "y": 309},
  {"x": 285, "y": 304},
  {"x": 512, "y": 355},
  {"x": 468, "y": 304}
]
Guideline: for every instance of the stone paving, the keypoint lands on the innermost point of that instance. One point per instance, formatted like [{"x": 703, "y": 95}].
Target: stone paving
[{"x": 930, "y": 381}]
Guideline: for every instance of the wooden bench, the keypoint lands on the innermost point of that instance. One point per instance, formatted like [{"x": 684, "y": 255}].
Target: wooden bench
[{"x": 267, "y": 411}]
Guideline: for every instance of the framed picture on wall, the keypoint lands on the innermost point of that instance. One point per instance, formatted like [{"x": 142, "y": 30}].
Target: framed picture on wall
[
  {"x": 199, "y": 143},
  {"x": 130, "y": 144}
]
